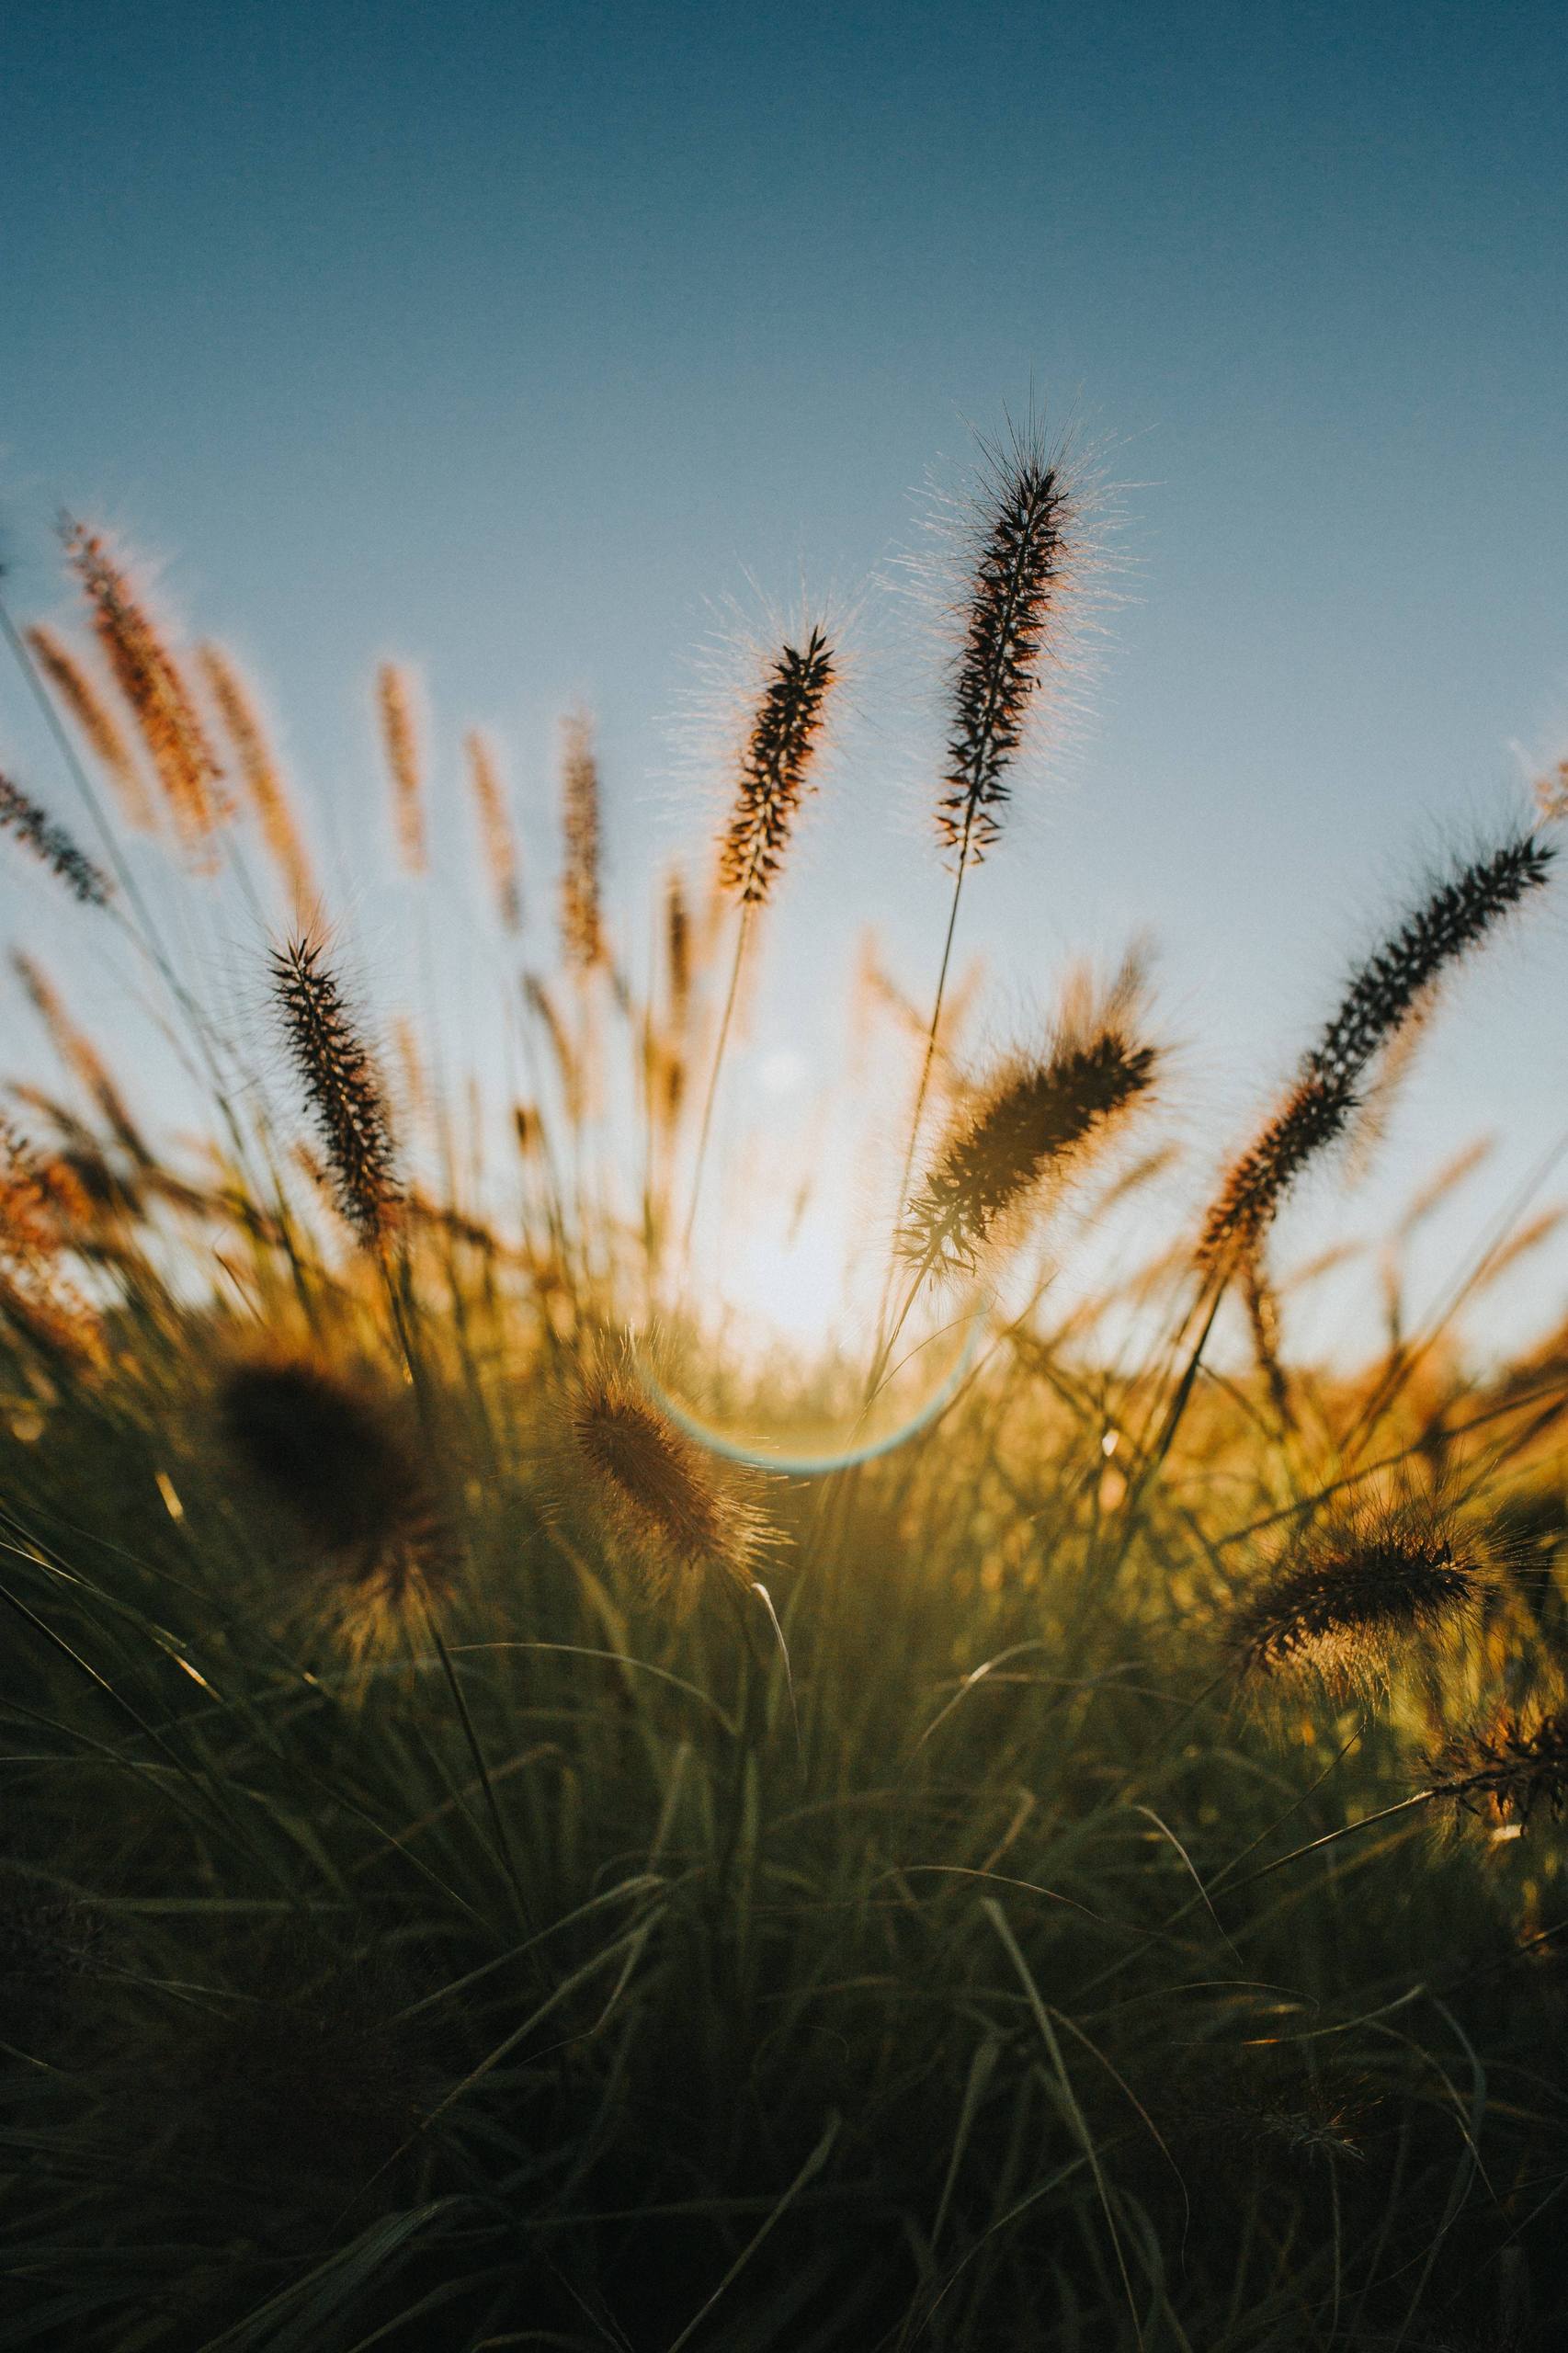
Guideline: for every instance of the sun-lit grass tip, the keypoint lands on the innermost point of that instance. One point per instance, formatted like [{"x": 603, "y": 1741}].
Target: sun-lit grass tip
[
  {"x": 148, "y": 676},
  {"x": 775, "y": 769},
  {"x": 1352, "y": 1597},
  {"x": 1393, "y": 986},
  {"x": 1023, "y": 563},
  {"x": 275, "y": 815},
  {"x": 581, "y": 916},
  {"x": 1507, "y": 1770},
  {"x": 79, "y": 696},
  {"x": 336, "y": 1454},
  {"x": 665, "y": 1500},
  {"x": 399, "y": 746},
  {"x": 1039, "y": 1117},
  {"x": 51, "y": 846},
  {"x": 341, "y": 1084}
]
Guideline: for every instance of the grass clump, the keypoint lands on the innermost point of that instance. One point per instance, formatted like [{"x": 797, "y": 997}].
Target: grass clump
[{"x": 448, "y": 1901}]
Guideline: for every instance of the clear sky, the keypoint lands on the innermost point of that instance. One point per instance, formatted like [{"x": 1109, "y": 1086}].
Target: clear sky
[{"x": 508, "y": 337}]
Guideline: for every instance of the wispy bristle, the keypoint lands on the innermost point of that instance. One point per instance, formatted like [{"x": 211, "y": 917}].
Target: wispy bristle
[
  {"x": 51, "y": 846},
  {"x": 1505, "y": 1770},
  {"x": 1021, "y": 571},
  {"x": 341, "y": 1084},
  {"x": 1351, "y": 1597},
  {"x": 495, "y": 828},
  {"x": 400, "y": 743},
  {"x": 337, "y": 1456},
  {"x": 674, "y": 1507},
  {"x": 774, "y": 766},
  {"x": 262, "y": 780},
  {"x": 96, "y": 722},
  {"x": 149, "y": 677},
  {"x": 1035, "y": 1121},
  {"x": 582, "y": 925},
  {"x": 1384, "y": 991}
]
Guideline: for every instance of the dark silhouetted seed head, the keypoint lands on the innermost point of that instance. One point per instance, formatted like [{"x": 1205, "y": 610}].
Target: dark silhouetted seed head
[
  {"x": 1350, "y": 1599},
  {"x": 1020, "y": 575},
  {"x": 1385, "y": 992},
  {"x": 51, "y": 846},
  {"x": 1038, "y": 1119},
  {"x": 341, "y": 1084},
  {"x": 1507, "y": 1770},
  {"x": 337, "y": 1456},
  {"x": 775, "y": 768}
]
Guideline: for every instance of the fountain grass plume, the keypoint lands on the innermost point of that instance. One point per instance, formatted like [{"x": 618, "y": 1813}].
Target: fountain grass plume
[
  {"x": 775, "y": 766},
  {"x": 96, "y": 723},
  {"x": 1386, "y": 990},
  {"x": 1037, "y": 1119},
  {"x": 51, "y": 845},
  {"x": 340, "y": 1460},
  {"x": 671, "y": 1505},
  {"x": 149, "y": 677},
  {"x": 1023, "y": 565},
  {"x": 400, "y": 746},
  {"x": 263, "y": 778},
  {"x": 496, "y": 837},
  {"x": 1349, "y": 1600},
  {"x": 1505, "y": 1770},
  {"x": 582, "y": 919},
  {"x": 341, "y": 1084}
]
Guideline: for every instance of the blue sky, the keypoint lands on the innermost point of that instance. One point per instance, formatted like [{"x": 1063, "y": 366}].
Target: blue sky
[{"x": 507, "y": 338}]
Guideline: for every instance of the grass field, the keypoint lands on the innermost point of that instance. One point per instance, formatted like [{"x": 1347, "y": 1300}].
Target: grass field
[{"x": 484, "y": 1866}]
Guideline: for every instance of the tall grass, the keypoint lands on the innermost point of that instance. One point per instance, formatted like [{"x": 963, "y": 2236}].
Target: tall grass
[{"x": 484, "y": 1866}]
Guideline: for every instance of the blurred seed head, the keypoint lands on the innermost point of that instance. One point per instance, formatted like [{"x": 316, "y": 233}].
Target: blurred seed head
[
  {"x": 52, "y": 846},
  {"x": 678, "y": 1511}
]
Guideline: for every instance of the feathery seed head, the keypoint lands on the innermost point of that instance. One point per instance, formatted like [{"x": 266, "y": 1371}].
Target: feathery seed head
[
  {"x": 341, "y": 1084},
  {"x": 51, "y": 846},
  {"x": 98, "y": 724},
  {"x": 495, "y": 828},
  {"x": 1038, "y": 1119},
  {"x": 262, "y": 780},
  {"x": 677, "y": 1510},
  {"x": 1505, "y": 1770},
  {"x": 1349, "y": 1599},
  {"x": 333, "y": 1453},
  {"x": 400, "y": 743},
  {"x": 1391, "y": 986},
  {"x": 774, "y": 766},
  {"x": 149, "y": 677},
  {"x": 1026, "y": 553},
  {"x": 582, "y": 922}
]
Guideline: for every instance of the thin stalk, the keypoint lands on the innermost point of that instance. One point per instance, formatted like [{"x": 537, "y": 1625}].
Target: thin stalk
[{"x": 741, "y": 935}]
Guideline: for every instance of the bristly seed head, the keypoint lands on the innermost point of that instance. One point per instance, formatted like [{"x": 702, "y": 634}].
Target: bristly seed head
[
  {"x": 333, "y": 1453},
  {"x": 677, "y": 1511},
  {"x": 51, "y": 846},
  {"x": 1393, "y": 986},
  {"x": 1021, "y": 574},
  {"x": 148, "y": 677},
  {"x": 774, "y": 766},
  {"x": 399, "y": 741},
  {"x": 1038, "y": 1119},
  {"x": 582, "y": 919},
  {"x": 1351, "y": 1598},
  {"x": 1505, "y": 1770},
  {"x": 342, "y": 1085}
]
